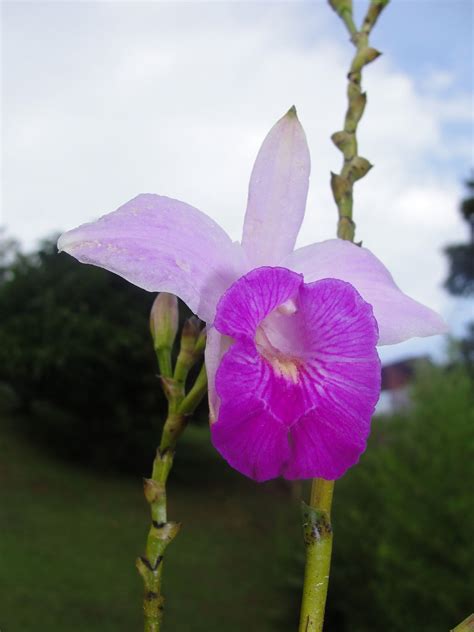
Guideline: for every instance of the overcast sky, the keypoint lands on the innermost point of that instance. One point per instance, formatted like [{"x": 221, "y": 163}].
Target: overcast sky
[{"x": 102, "y": 101}]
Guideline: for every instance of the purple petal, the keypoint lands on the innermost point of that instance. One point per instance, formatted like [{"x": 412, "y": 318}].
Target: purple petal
[
  {"x": 345, "y": 372},
  {"x": 311, "y": 373},
  {"x": 246, "y": 303},
  {"x": 277, "y": 193},
  {"x": 251, "y": 440},
  {"x": 245, "y": 371},
  {"x": 399, "y": 317},
  {"x": 319, "y": 446},
  {"x": 162, "y": 245}
]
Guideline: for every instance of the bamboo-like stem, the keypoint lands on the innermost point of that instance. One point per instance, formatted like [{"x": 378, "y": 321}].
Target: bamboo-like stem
[
  {"x": 354, "y": 166},
  {"x": 180, "y": 406},
  {"x": 317, "y": 526},
  {"x": 161, "y": 533},
  {"x": 317, "y": 531}
]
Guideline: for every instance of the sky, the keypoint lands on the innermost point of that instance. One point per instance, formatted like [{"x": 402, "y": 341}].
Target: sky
[{"x": 104, "y": 100}]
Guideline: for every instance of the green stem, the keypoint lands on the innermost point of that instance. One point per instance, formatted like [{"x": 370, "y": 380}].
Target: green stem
[
  {"x": 180, "y": 406},
  {"x": 466, "y": 626},
  {"x": 195, "y": 395},
  {"x": 161, "y": 533},
  {"x": 163, "y": 355},
  {"x": 317, "y": 531},
  {"x": 354, "y": 166},
  {"x": 317, "y": 515}
]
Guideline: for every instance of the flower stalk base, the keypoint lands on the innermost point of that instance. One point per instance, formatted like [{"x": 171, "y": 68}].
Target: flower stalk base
[{"x": 317, "y": 531}]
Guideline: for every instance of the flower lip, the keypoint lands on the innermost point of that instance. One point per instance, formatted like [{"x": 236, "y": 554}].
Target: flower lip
[
  {"x": 283, "y": 365},
  {"x": 306, "y": 379},
  {"x": 250, "y": 299}
]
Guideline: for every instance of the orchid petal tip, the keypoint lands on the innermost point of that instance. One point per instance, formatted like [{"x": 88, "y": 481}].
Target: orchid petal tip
[{"x": 292, "y": 112}]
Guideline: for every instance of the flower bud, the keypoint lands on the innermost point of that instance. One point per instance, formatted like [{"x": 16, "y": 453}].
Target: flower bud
[
  {"x": 359, "y": 167},
  {"x": 356, "y": 109},
  {"x": 200, "y": 345},
  {"x": 340, "y": 186},
  {"x": 346, "y": 142},
  {"x": 190, "y": 333},
  {"x": 164, "y": 318},
  {"x": 190, "y": 350}
]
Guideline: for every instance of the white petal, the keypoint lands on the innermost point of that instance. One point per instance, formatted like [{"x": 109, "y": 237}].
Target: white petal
[
  {"x": 216, "y": 346},
  {"x": 277, "y": 193},
  {"x": 162, "y": 245}
]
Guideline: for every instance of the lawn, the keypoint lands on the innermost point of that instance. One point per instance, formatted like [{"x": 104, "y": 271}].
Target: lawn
[
  {"x": 403, "y": 558},
  {"x": 69, "y": 538}
]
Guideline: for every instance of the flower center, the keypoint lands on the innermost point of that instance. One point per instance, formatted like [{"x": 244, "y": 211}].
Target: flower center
[{"x": 275, "y": 341}]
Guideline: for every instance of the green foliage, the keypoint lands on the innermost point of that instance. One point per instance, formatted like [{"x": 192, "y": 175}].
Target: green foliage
[
  {"x": 461, "y": 276},
  {"x": 403, "y": 556},
  {"x": 466, "y": 349},
  {"x": 76, "y": 349},
  {"x": 460, "y": 280},
  {"x": 70, "y": 537},
  {"x": 403, "y": 518}
]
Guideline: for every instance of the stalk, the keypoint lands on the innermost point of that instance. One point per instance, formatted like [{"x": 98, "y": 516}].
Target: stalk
[
  {"x": 317, "y": 531},
  {"x": 354, "y": 167},
  {"x": 180, "y": 406},
  {"x": 317, "y": 527}
]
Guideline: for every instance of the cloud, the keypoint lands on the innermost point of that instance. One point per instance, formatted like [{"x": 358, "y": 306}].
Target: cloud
[{"x": 103, "y": 101}]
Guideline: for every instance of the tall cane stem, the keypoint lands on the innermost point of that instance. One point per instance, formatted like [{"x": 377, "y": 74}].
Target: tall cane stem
[
  {"x": 180, "y": 406},
  {"x": 317, "y": 526},
  {"x": 317, "y": 531},
  {"x": 354, "y": 167}
]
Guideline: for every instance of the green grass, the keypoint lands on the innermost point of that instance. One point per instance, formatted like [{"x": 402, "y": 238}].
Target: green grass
[{"x": 69, "y": 538}]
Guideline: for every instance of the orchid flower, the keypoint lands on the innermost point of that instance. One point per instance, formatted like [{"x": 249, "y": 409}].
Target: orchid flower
[{"x": 291, "y": 356}]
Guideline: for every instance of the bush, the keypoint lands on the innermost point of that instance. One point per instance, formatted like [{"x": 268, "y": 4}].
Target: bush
[
  {"x": 404, "y": 518},
  {"x": 75, "y": 348}
]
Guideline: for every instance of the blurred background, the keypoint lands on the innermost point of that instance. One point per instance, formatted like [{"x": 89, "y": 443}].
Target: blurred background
[{"x": 105, "y": 100}]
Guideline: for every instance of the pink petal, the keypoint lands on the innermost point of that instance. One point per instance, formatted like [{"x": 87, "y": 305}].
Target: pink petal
[
  {"x": 251, "y": 440},
  {"x": 162, "y": 245},
  {"x": 319, "y": 446},
  {"x": 244, "y": 371},
  {"x": 277, "y": 193},
  {"x": 345, "y": 370},
  {"x": 246, "y": 303},
  {"x": 399, "y": 317},
  {"x": 319, "y": 388}
]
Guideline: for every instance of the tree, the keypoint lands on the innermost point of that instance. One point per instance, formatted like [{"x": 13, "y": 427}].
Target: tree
[
  {"x": 76, "y": 349},
  {"x": 460, "y": 280},
  {"x": 403, "y": 558}
]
